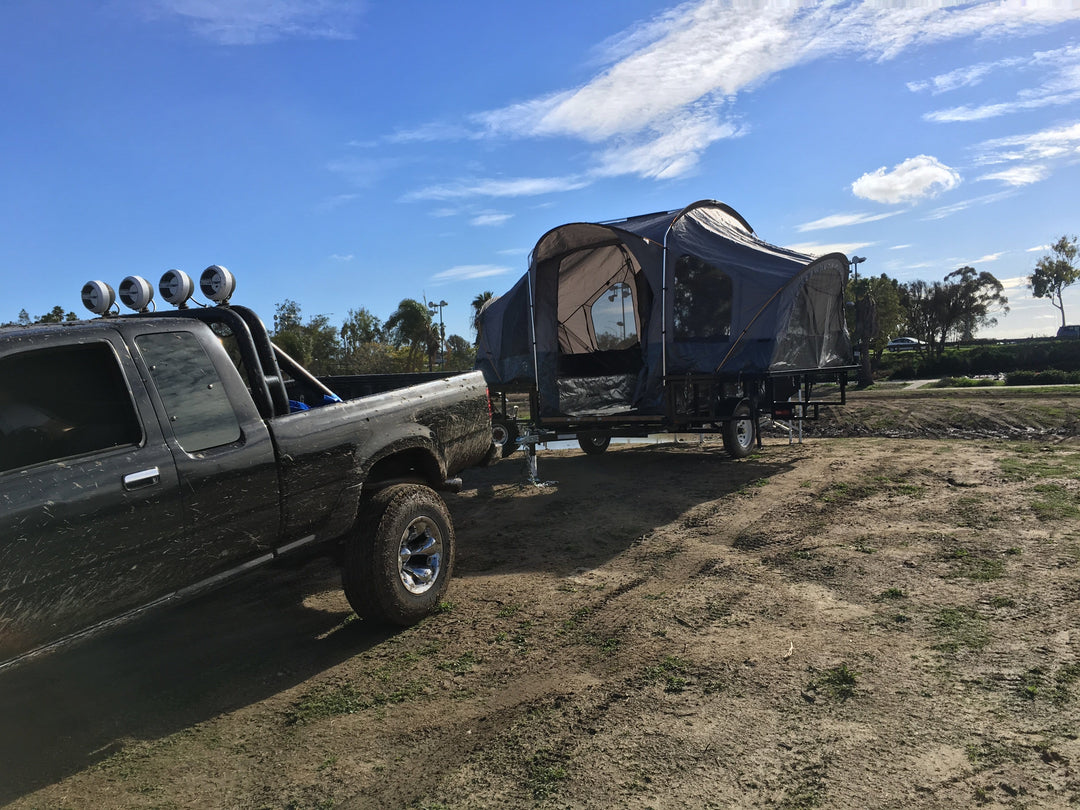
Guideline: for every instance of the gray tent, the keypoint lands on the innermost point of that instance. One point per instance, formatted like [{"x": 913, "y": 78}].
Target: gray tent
[{"x": 608, "y": 311}]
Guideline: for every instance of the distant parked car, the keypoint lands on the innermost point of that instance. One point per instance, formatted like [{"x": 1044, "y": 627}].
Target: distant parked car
[
  {"x": 1070, "y": 331},
  {"x": 903, "y": 344}
]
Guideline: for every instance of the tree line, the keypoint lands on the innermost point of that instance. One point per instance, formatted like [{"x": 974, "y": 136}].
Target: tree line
[
  {"x": 953, "y": 309},
  {"x": 410, "y": 339},
  {"x": 879, "y": 308}
]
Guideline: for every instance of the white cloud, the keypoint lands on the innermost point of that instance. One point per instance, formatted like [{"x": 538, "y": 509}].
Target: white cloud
[
  {"x": 969, "y": 76},
  {"x": 899, "y": 247},
  {"x": 1019, "y": 175},
  {"x": 664, "y": 155},
  {"x": 1048, "y": 144},
  {"x": 490, "y": 218},
  {"x": 841, "y": 220},
  {"x": 430, "y": 132},
  {"x": 915, "y": 179},
  {"x": 252, "y": 22},
  {"x": 468, "y": 272},
  {"x": 667, "y": 86},
  {"x": 817, "y": 249},
  {"x": 514, "y": 187},
  {"x": 1061, "y": 87},
  {"x": 339, "y": 257},
  {"x": 1030, "y": 157},
  {"x": 963, "y": 205}
]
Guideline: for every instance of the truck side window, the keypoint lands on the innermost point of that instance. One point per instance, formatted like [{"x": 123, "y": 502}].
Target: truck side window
[
  {"x": 702, "y": 301},
  {"x": 199, "y": 410},
  {"x": 61, "y": 402}
]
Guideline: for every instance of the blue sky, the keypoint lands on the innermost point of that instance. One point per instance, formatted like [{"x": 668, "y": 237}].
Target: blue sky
[{"x": 351, "y": 154}]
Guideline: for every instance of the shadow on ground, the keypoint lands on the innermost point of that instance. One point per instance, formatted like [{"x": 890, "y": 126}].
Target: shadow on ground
[
  {"x": 170, "y": 669},
  {"x": 595, "y": 507}
]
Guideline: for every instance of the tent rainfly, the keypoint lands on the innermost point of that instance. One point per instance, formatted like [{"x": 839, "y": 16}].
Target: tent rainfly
[{"x": 608, "y": 312}]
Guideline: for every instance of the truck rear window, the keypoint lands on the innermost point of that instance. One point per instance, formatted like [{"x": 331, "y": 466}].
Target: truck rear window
[
  {"x": 198, "y": 408},
  {"x": 61, "y": 402}
]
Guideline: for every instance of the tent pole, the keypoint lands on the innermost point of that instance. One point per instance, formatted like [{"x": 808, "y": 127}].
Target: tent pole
[{"x": 532, "y": 335}]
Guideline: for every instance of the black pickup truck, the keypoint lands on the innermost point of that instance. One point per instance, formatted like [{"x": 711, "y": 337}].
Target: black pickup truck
[{"x": 147, "y": 456}]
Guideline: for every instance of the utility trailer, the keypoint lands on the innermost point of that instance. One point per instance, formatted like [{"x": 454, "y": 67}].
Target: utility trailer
[{"x": 675, "y": 322}]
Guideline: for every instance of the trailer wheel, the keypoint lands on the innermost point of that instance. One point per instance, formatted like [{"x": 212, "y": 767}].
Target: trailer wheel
[
  {"x": 504, "y": 435},
  {"x": 398, "y": 560},
  {"x": 593, "y": 443},
  {"x": 738, "y": 432}
]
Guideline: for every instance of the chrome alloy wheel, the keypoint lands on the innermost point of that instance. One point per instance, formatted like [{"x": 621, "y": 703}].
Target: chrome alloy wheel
[{"x": 420, "y": 556}]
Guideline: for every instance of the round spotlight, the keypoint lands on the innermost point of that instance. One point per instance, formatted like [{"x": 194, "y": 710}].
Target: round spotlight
[
  {"x": 98, "y": 297},
  {"x": 176, "y": 287},
  {"x": 217, "y": 283},
  {"x": 136, "y": 293}
]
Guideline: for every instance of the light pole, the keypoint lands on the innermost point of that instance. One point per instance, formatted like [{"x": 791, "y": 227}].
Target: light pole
[
  {"x": 621, "y": 290},
  {"x": 442, "y": 329},
  {"x": 862, "y": 328}
]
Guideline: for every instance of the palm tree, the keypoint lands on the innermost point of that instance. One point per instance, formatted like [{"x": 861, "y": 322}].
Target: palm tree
[
  {"x": 411, "y": 323},
  {"x": 478, "y": 306}
]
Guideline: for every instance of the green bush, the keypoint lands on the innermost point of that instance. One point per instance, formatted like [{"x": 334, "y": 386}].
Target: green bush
[
  {"x": 1050, "y": 376},
  {"x": 1034, "y": 356},
  {"x": 966, "y": 382}
]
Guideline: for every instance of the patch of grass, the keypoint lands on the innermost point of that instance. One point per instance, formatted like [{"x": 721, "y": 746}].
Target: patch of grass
[
  {"x": 961, "y": 627},
  {"x": 1064, "y": 682},
  {"x": 843, "y": 492},
  {"x": 329, "y": 701},
  {"x": 546, "y": 772},
  {"x": 837, "y": 682},
  {"x": 672, "y": 671},
  {"x": 1031, "y": 682},
  {"x": 974, "y": 566},
  {"x": 1037, "y": 462},
  {"x": 1056, "y": 503},
  {"x": 986, "y": 755},
  {"x": 348, "y": 698},
  {"x": 462, "y": 665},
  {"x": 444, "y": 607},
  {"x": 971, "y": 513},
  {"x": 574, "y": 622},
  {"x": 863, "y": 547},
  {"x": 506, "y": 611},
  {"x": 890, "y": 594}
]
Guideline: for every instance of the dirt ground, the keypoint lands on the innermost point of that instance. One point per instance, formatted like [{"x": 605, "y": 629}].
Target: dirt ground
[{"x": 886, "y": 615}]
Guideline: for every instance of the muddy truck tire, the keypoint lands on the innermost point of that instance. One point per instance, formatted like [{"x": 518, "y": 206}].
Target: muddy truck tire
[{"x": 398, "y": 561}]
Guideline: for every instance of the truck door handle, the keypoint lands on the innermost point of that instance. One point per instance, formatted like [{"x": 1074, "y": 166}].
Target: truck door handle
[{"x": 143, "y": 478}]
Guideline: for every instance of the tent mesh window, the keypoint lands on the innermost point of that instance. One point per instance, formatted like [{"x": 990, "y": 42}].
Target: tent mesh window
[
  {"x": 613, "y": 317},
  {"x": 702, "y": 301}
]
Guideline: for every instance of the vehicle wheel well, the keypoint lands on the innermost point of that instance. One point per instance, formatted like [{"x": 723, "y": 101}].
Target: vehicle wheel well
[{"x": 415, "y": 465}]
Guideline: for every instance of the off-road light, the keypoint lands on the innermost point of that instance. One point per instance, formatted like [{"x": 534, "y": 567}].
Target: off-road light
[
  {"x": 176, "y": 287},
  {"x": 136, "y": 293},
  {"x": 98, "y": 297},
  {"x": 217, "y": 283}
]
